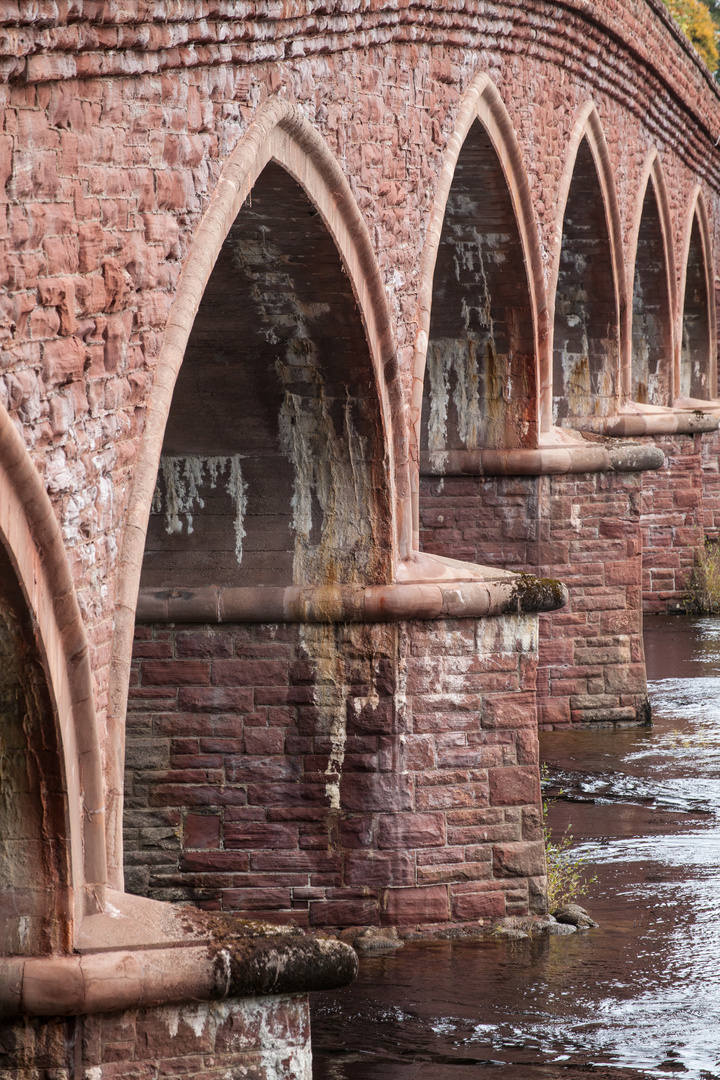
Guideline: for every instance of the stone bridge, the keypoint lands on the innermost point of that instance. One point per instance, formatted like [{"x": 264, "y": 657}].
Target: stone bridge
[{"x": 320, "y": 321}]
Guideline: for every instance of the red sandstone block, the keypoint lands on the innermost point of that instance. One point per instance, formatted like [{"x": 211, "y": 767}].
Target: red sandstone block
[
  {"x": 376, "y": 792},
  {"x": 316, "y": 862},
  {"x": 287, "y": 795},
  {"x": 378, "y": 870},
  {"x": 467, "y": 907},
  {"x": 470, "y": 757},
  {"x": 196, "y": 795},
  {"x": 407, "y": 907},
  {"x": 256, "y": 899},
  {"x": 63, "y": 360},
  {"x": 244, "y": 769},
  {"x": 485, "y": 816},
  {"x": 202, "y": 831},
  {"x": 175, "y": 673},
  {"x": 262, "y": 740},
  {"x": 481, "y": 834},
  {"x": 525, "y": 859},
  {"x": 514, "y": 786},
  {"x": 532, "y": 823},
  {"x": 455, "y": 873},
  {"x": 216, "y": 699},
  {"x": 626, "y": 679},
  {"x": 257, "y": 835},
  {"x": 450, "y": 796},
  {"x": 410, "y": 830},
  {"x": 210, "y": 646},
  {"x": 624, "y": 572},
  {"x": 344, "y": 913},
  {"x": 233, "y": 862},
  {"x": 419, "y": 753},
  {"x": 509, "y": 711},
  {"x": 440, "y": 856},
  {"x": 527, "y": 748}
]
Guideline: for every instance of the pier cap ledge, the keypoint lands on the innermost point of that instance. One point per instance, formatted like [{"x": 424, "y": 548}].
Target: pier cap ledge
[
  {"x": 564, "y": 452},
  {"x": 141, "y": 953},
  {"x": 427, "y": 587}
]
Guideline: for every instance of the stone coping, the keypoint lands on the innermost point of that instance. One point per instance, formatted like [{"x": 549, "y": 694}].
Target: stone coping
[
  {"x": 143, "y": 953},
  {"x": 510, "y": 594},
  {"x": 545, "y": 460},
  {"x": 698, "y": 418}
]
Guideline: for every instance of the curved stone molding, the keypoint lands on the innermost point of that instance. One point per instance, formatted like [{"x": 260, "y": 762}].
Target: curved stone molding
[
  {"x": 279, "y": 133},
  {"x": 546, "y": 461},
  {"x": 190, "y": 956},
  {"x": 31, "y": 535},
  {"x": 510, "y": 593},
  {"x": 697, "y": 417}
]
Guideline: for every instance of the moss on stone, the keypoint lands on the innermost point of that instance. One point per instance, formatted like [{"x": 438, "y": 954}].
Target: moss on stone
[{"x": 531, "y": 593}]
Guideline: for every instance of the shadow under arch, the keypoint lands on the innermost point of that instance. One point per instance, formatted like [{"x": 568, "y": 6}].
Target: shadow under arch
[
  {"x": 484, "y": 133},
  {"x": 588, "y": 288},
  {"x": 46, "y": 672},
  {"x": 696, "y": 371},
  {"x": 650, "y": 377},
  {"x": 279, "y": 144}
]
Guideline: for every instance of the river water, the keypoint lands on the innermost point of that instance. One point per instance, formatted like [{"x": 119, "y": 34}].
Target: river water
[{"x": 639, "y": 997}]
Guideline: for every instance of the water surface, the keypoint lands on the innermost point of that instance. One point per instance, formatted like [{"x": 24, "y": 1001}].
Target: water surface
[{"x": 640, "y": 997}]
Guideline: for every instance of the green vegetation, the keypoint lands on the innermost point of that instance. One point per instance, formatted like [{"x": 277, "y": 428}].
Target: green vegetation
[
  {"x": 566, "y": 877},
  {"x": 703, "y": 595},
  {"x": 700, "y": 21}
]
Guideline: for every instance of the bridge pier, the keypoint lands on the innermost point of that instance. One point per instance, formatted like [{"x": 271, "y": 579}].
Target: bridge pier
[
  {"x": 583, "y": 528},
  {"x": 339, "y": 773}
]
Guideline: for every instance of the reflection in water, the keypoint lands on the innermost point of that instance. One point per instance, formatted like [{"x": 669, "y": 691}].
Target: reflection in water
[{"x": 641, "y": 996}]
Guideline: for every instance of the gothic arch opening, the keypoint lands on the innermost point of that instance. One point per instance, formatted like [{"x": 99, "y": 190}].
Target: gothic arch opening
[
  {"x": 651, "y": 316},
  {"x": 696, "y": 343},
  {"x": 480, "y": 382},
  {"x": 273, "y": 468},
  {"x": 35, "y": 896},
  {"x": 585, "y": 341}
]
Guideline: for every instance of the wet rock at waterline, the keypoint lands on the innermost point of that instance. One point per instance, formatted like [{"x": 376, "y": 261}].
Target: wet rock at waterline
[
  {"x": 566, "y": 920},
  {"x": 377, "y": 939},
  {"x": 574, "y": 915}
]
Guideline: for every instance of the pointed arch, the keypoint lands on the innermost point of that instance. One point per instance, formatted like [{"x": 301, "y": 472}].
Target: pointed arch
[
  {"x": 483, "y": 153},
  {"x": 588, "y": 281},
  {"x": 280, "y": 157},
  {"x": 697, "y": 361},
  {"x": 52, "y": 765},
  {"x": 650, "y": 377}
]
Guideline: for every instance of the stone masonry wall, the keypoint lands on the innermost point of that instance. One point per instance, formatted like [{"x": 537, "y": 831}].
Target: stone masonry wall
[
  {"x": 711, "y": 485},
  {"x": 584, "y": 530},
  {"x": 674, "y": 518},
  {"x": 263, "y": 1038},
  {"x": 337, "y": 775}
]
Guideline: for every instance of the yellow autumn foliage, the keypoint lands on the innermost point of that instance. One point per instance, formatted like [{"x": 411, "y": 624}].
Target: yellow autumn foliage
[{"x": 697, "y": 23}]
